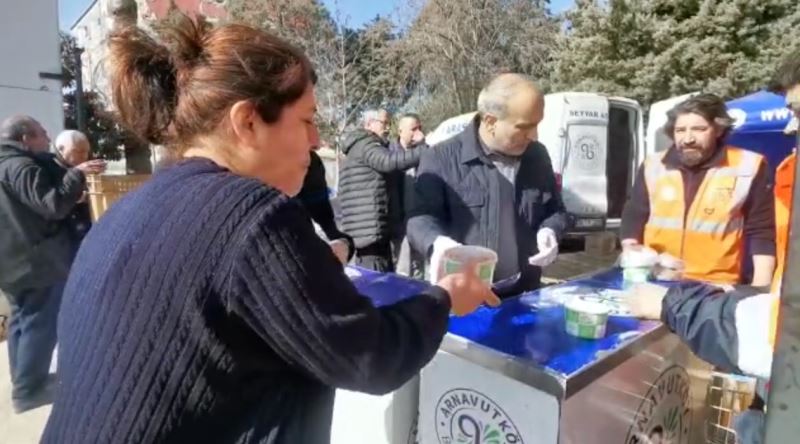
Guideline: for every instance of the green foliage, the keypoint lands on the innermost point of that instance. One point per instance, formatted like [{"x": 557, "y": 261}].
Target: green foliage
[
  {"x": 106, "y": 137},
  {"x": 651, "y": 50}
]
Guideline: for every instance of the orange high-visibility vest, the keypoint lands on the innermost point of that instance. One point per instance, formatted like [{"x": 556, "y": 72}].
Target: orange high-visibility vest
[
  {"x": 784, "y": 181},
  {"x": 708, "y": 237}
]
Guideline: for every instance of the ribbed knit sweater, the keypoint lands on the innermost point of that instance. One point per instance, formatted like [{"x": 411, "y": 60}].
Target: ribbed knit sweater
[{"x": 202, "y": 308}]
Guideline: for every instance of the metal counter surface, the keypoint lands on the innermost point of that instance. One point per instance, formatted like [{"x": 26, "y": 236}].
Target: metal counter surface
[
  {"x": 539, "y": 335},
  {"x": 529, "y": 344}
]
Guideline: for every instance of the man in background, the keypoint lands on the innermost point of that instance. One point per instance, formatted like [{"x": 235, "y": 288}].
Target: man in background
[
  {"x": 73, "y": 149},
  {"x": 364, "y": 189},
  {"x": 36, "y": 251},
  {"x": 401, "y": 201},
  {"x": 315, "y": 199}
]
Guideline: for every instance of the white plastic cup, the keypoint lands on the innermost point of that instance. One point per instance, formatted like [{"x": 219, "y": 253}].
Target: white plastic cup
[
  {"x": 454, "y": 260},
  {"x": 585, "y": 319},
  {"x": 637, "y": 264}
]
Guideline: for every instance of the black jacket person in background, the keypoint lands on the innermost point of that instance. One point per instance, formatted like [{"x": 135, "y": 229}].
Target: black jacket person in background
[
  {"x": 401, "y": 199},
  {"x": 72, "y": 149},
  {"x": 364, "y": 191},
  {"x": 36, "y": 252},
  {"x": 314, "y": 196}
]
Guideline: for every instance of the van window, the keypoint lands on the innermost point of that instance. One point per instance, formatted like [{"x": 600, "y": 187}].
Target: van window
[{"x": 619, "y": 162}]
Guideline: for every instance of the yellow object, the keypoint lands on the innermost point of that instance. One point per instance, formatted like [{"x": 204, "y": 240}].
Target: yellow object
[
  {"x": 708, "y": 237},
  {"x": 105, "y": 190}
]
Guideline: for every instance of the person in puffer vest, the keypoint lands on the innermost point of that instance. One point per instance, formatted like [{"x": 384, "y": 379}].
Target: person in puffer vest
[{"x": 364, "y": 191}]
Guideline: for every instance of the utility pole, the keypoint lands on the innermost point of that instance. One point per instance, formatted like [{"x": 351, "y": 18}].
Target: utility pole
[{"x": 80, "y": 101}]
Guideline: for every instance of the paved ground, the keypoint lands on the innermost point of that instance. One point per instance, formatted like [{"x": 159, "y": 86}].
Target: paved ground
[
  {"x": 26, "y": 428},
  {"x": 573, "y": 262},
  {"x": 17, "y": 429}
]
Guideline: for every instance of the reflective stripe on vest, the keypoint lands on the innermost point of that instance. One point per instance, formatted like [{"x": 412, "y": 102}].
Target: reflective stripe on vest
[
  {"x": 700, "y": 226},
  {"x": 708, "y": 237}
]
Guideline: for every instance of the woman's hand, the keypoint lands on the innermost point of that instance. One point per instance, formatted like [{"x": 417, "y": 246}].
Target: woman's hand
[{"x": 467, "y": 291}]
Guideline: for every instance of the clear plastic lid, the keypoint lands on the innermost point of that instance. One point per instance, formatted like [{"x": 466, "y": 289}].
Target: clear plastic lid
[{"x": 638, "y": 257}]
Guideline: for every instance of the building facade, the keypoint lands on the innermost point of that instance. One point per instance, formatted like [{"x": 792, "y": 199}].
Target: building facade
[
  {"x": 92, "y": 28},
  {"x": 30, "y": 80},
  {"x": 91, "y": 32}
]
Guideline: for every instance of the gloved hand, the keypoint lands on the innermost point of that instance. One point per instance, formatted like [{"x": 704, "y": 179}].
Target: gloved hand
[
  {"x": 440, "y": 246},
  {"x": 547, "y": 241}
]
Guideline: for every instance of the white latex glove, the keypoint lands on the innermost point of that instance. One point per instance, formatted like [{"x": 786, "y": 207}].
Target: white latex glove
[
  {"x": 440, "y": 246},
  {"x": 547, "y": 241},
  {"x": 341, "y": 250}
]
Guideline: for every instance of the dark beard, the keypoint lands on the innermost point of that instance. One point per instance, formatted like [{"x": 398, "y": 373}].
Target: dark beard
[{"x": 692, "y": 157}]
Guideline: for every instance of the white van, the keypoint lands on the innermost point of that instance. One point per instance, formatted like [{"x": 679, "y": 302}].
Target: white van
[
  {"x": 595, "y": 143},
  {"x": 656, "y": 141}
]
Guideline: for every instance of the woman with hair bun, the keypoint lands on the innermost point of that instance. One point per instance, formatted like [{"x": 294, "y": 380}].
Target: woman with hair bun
[{"x": 202, "y": 307}]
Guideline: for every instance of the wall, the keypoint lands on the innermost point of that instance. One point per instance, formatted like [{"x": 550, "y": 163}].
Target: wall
[{"x": 29, "y": 45}]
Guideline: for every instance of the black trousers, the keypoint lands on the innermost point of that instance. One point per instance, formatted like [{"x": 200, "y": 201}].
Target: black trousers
[{"x": 377, "y": 256}]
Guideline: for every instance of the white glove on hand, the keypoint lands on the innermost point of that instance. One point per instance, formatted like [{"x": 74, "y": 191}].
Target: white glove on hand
[
  {"x": 547, "y": 241},
  {"x": 440, "y": 246}
]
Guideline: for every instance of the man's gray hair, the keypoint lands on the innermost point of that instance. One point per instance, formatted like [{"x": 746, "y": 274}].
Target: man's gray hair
[
  {"x": 69, "y": 138},
  {"x": 494, "y": 98},
  {"x": 16, "y": 127},
  {"x": 371, "y": 114}
]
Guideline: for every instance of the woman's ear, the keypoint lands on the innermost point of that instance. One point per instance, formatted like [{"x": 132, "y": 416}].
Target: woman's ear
[{"x": 242, "y": 117}]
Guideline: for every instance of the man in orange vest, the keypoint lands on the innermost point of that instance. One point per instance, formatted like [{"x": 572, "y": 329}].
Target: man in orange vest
[
  {"x": 730, "y": 332},
  {"x": 699, "y": 200}
]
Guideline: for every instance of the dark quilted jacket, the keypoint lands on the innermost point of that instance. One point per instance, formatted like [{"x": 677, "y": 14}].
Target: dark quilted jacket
[
  {"x": 363, "y": 185},
  {"x": 35, "y": 244}
]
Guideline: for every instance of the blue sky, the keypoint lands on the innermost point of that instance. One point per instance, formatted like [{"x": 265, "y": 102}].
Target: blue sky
[{"x": 357, "y": 11}]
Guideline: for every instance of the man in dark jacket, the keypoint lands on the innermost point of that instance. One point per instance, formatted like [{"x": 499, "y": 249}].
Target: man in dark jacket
[
  {"x": 314, "y": 196},
  {"x": 364, "y": 191},
  {"x": 401, "y": 200},
  {"x": 493, "y": 185},
  {"x": 35, "y": 253},
  {"x": 73, "y": 149}
]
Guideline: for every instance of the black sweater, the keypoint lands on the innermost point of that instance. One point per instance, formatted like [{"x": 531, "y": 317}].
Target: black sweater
[
  {"x": 314, "y": 196},
  {"x": 203, "y": 308}
]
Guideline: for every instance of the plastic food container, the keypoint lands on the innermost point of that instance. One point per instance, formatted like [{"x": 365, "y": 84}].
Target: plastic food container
[
  {"x": 586, "y": 319},
  {"x": 637, "y": 264},
  {"x": 454, "y": 259},
  {"x": 669, "y": 268}
]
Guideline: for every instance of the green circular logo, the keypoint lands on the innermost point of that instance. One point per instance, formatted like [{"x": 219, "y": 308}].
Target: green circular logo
[{"x": 465, "y": 416}]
